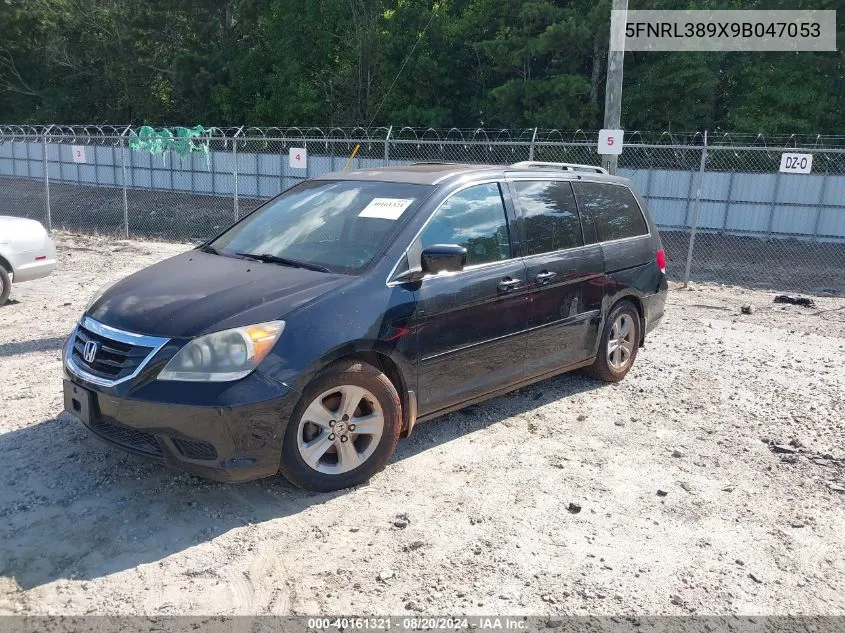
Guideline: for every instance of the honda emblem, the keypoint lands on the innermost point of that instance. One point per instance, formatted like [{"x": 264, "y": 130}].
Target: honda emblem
[{"x": 89, "y": 353}]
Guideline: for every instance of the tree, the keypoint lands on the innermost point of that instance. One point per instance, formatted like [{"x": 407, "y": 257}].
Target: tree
[{"x": 440, "y": 63}]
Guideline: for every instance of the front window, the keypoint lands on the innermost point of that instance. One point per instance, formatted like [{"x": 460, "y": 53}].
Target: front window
[
  {"x": 475, "y": 219},
  {"x": 334, "y": 225}
]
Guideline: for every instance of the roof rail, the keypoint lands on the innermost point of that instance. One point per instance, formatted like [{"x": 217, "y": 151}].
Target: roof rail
[{"x": 531, "y": 164}]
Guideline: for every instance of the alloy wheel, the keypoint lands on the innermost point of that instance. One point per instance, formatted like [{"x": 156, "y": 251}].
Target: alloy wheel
[
  {"x": 620, "y": 343},
  {"x": 340, "y": 429}
]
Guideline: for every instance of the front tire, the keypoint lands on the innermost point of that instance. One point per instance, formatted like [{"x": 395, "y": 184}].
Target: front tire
[
  {"x": 344, "y": 428},
  {"x": 619, "y": 343},
  {"x": 5, "y": 286}
]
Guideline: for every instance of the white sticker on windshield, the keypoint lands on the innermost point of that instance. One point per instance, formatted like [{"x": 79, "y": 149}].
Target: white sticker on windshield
[{"x": 385, "y": 208}]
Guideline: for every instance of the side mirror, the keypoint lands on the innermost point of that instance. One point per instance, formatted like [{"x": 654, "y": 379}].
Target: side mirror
[{"x": 443, "y": 257}]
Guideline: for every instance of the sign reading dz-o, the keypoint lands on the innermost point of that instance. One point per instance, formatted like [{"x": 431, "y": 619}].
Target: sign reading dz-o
[
  {"x": 796, "y": 163},
  {"x": 610, "y": 142}
]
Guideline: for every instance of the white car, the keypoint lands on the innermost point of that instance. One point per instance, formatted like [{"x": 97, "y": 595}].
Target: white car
[{"x": 26, "y": 253}]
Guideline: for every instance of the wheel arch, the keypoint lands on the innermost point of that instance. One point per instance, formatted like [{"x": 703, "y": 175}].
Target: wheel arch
[
  {"x": 393, "y": 372},
  {"x": 5, "y": 264},
  {"x": 401, "y": 377},
  {"x": 638, "y": 304}
]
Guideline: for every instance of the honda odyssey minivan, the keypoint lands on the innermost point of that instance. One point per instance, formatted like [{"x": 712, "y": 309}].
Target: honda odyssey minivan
[{"x": 311, "y": 335}]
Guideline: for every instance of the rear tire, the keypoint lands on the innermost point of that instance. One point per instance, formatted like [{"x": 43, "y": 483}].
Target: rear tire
[
  {"x": 344, "y": 428},
  {"x": 619, "y": 343},
  {"x": 5, "y": 286}
]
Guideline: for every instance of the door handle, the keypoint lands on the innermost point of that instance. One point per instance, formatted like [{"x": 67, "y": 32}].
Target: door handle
[
  {"x": 545, "y": 276},
  {"x": 507, "y": 284}
]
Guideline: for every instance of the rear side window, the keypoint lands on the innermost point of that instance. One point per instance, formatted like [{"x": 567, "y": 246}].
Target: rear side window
[
  {"x": 549, "y": 214},
  {"x": 475, "y": 219},
  {"x": 612, "y": 208}
]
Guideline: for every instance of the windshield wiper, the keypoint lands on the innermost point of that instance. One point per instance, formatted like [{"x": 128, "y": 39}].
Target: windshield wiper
[
  {"x": 208, "y": 248},
  {"x": 284, "y": 261}
]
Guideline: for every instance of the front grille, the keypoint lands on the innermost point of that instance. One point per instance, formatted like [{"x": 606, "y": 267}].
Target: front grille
[
  {"x": 127, "y": 437},
  {"x": 114, "y": 359},
  {"x": 194, "y": 449}
]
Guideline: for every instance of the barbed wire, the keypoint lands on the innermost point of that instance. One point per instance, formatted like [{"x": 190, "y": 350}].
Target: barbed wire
[{"x": 104, "y": 134}]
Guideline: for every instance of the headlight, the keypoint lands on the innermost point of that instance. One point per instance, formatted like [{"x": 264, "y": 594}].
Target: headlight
[
  {"x": 223, "y": 356},
  {"x": 99, "y": 293}
]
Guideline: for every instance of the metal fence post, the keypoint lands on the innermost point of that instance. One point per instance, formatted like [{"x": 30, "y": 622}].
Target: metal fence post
[
  {"x": 820, "y": 208},
  {"x": 531, "y": 147},
  {"x": 774, "y": 204},
  {"x": 235, "y": 172},
  {"x": 46, "y": 179},
  {"x": 387, "y": 147},
  {"x": 125, "y": 193},
  {"x": 696, "y": 209}
]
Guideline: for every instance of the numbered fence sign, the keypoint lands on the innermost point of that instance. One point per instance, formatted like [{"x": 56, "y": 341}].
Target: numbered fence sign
[
  {"x": 610, "y": 142},
  {"x": 796, "y": 163},
  {"x": 298, "y": 157},
  {"x": 78, "y": 153}
]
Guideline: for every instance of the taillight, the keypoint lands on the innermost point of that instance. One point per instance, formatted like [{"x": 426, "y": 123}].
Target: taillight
[
  {"x": 40, "y": 258},
  {"x": 661, "y": 260}
]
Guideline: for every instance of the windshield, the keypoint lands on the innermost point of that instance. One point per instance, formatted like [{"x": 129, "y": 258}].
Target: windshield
[{"x": 334, "y": 225}]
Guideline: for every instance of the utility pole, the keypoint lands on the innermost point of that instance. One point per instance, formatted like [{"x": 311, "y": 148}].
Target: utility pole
[{"x": 613, "y": 87}]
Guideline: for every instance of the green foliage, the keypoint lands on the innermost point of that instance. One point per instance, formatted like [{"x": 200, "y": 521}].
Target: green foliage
[{"x": 440, "y": 63}]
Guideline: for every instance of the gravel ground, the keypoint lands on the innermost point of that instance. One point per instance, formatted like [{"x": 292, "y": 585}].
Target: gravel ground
[{"x": 710, "y": 481}]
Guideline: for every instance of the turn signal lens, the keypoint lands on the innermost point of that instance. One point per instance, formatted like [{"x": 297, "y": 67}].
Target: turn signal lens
[{"x": 263, "y": 337}]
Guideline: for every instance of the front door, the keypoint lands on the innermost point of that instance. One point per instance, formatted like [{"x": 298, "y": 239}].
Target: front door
[
  {"x": 565, "y": 276},
  {"x": 471, "y": 322}
]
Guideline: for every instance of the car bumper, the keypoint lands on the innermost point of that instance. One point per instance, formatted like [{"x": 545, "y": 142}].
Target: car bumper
[
  {"x": 654, "y": 305},
  {"x": 224, "y": 443},
  {"x": 27, "y": 267}
]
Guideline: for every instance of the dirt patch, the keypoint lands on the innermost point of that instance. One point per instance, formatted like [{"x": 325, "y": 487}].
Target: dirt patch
[{"x": 687, "y": 505}]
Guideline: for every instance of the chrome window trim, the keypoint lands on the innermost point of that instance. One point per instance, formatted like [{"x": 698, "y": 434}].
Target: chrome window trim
[
  {"x": 486, "y": 181},
  {"x": 623, "y": 239},
  {"x": 570, "y": 177},
  {"x": 562, "y": 251},
  {"x": 466, "y": 269},
  {"x": 121, "y": 336}
]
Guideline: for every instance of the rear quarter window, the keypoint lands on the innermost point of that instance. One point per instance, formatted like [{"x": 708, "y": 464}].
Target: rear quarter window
[{"x": 613, "y": 210}]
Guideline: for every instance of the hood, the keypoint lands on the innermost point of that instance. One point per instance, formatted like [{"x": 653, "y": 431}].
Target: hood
[{"x": 195, "y": 293}]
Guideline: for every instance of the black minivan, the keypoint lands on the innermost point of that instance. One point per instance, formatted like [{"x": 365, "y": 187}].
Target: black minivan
[{"x": 311, "y": 335}]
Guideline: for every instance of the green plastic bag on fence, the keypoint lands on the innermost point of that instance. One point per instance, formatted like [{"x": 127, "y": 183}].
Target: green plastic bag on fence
[{"x": 183, "y": 143}]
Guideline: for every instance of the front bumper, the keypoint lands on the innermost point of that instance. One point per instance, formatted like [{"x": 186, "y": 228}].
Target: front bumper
[
  {"x": 228, "y": 431},
  {"x": 222, "y": 443}
]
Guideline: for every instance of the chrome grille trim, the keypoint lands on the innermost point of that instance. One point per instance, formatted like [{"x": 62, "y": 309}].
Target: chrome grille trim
[{"x": 121, "y": 336}]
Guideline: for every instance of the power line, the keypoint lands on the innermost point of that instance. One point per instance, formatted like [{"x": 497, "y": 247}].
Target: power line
[{"x": 401, "y": 68}]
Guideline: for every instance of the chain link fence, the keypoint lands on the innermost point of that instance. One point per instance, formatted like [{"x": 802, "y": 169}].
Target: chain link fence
[{"x": 725, "y": 211}]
